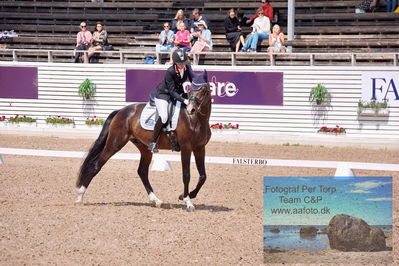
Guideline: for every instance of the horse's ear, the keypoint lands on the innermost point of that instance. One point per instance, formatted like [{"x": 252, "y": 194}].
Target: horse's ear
[{"x": 205, "y": 76}]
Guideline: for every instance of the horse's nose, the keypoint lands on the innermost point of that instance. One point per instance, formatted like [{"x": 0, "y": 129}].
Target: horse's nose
[{"x": 192, "y": 111}]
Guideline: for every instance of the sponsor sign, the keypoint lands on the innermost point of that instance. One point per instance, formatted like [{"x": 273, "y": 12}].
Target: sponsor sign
[
  {"x": 381, "y": 86},
  {"x": 227, "y": 87},
  {"x": 18, "y": 82}
]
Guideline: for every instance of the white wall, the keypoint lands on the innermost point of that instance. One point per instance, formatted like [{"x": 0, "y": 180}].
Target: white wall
[{"x": 58, "y": 87}]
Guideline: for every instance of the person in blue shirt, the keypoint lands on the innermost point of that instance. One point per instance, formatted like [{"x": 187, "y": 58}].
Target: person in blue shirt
[
  {"x": 204, "y": 42},
  {"x": 166, "y": 38}
]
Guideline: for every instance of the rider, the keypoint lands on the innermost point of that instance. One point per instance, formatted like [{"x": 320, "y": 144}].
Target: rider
[{"x": 170, "y": 89}]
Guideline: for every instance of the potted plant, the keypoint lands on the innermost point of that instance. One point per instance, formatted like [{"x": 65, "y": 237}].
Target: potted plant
[
  {"x": 319, "y": 94},
  {"x": 94, "y": 121},
  {"x": 87, "y": 89},
  {"x": 22, "y": 120},
  {"x": 57, "y": 121},
  {"x": 373, "y": 108}
]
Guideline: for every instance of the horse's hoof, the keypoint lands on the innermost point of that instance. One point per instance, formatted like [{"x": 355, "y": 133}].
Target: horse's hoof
[
  {"x": 78, "y": 202},
  {"x": 181, "y": 197},
  {"x": 190, "y": 209},
  {"x": 158, "y": 204}
]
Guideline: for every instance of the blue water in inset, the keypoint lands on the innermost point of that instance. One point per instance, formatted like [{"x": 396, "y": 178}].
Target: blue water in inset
[{"x": 288, "y": 238}]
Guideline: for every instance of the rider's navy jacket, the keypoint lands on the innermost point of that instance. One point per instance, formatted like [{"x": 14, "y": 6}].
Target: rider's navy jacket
[{"x": 172, "y": 85}]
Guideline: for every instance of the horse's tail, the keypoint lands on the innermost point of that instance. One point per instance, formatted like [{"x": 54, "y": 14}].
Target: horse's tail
[{"x": 94, "y": 154}]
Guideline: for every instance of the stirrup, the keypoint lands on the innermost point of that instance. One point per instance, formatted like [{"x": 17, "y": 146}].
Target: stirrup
[{"x": 153, "y": 147}]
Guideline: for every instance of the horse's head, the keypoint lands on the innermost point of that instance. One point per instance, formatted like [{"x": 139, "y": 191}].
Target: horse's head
[{"x": 200, "y": 93}]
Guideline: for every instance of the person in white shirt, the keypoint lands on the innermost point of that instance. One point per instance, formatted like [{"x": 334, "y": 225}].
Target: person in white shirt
[
  {"x": 261, "y": 31},
  {"x": 276, "y": 40}
]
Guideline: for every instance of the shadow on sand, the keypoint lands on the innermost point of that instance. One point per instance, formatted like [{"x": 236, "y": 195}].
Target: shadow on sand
[{"x": 198, "y": 207}]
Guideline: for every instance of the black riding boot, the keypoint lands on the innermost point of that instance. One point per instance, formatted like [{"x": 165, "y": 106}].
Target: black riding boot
[{"x": 157, "y": 131}]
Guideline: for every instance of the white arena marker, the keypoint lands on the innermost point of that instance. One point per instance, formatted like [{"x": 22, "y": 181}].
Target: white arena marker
[
  {"x": 343, "y": 170},
  {"x": 160, "y": 164},
  {"x": 217, "y": 160}
]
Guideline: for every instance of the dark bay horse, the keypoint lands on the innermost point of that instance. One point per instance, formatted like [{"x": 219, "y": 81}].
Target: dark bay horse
[{"x": 122, "y": 126}]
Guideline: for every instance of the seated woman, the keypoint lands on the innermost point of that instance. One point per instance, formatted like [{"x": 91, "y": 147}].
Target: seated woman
[
  {"x": 100, "y": 39},
  {"x": 182, "y": 39},
  {"x": 233, "y": 30},
  {"x": 179, "y": 18},
  {"x": 204, "y": 42},
  {"x": 83, "y": 40},
  {"x": 261, "y": 31},
  {"x": 276, "y": 40},
  {"x": 166, "y": 39}
]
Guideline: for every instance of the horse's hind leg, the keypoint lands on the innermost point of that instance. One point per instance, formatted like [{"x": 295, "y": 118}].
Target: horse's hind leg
[
  {"x": 115, "y": 142},
  {"x": 145, "y": 161}
]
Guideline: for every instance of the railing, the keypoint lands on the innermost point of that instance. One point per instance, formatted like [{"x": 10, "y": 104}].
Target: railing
[{"x": 229, "y": 58}]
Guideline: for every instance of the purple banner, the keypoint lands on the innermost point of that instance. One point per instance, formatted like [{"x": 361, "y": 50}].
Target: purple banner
[
  {"x": 228, "y": 87},
  {"x": 18, "y": 82}
]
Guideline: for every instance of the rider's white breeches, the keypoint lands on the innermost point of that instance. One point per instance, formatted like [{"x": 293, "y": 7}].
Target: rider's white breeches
[{"x": 162, "y": 108}]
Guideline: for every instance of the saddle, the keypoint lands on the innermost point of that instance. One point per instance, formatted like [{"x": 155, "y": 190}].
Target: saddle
[{"x": 149, "y": 116}]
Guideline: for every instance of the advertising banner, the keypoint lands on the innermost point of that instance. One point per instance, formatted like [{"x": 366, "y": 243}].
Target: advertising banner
[
  {"x": 380, "y": 87},
  {"x": 227, "y": 87},
  {"x": 18, "y": 82}
]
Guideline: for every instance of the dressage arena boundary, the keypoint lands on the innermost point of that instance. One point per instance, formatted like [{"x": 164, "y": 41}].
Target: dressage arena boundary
[{"x": 215, "y": 160}]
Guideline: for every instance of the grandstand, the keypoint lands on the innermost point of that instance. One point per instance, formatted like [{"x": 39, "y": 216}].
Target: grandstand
[{"x": 321, "y": 28}]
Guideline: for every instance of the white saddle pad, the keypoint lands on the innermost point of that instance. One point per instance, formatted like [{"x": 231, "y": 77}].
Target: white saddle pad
[{"x": 148, "y": 116}]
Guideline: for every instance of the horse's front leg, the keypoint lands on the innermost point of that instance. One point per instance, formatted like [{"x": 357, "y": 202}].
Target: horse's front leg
[
  {"x": 200, "y": 162},
  {"x": 185, "y": 160}
]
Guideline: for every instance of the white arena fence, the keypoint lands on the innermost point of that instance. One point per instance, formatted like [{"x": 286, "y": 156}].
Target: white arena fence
[{"x": 58, "y": 95}]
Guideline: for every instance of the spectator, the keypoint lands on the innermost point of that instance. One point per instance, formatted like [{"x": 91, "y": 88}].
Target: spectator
[
  {"x": 391, "y": 5},
  {"x": 204, "y": 42},
  {"x": 261, "y": 31},
  {"x": 276, "y": 40},
  {"x": 365, "y": 5},
  {"x": 233, "y": 30},
  {"x": 99, "y": 39},
  {"x": 182, "y": 39},
  {"x": 166, "y": 39},
  {"x": 267, "y": 11},
  {"x": 83, "y": 40},
  {"x": 180, "y": 17},
  {"x": 197, "y": 17}
]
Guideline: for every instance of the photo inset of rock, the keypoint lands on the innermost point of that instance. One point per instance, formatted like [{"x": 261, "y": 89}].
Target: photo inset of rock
[{"x": 327, "y": 220}]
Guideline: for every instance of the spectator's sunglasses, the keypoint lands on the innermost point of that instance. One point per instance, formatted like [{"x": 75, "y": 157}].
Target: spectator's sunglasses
[
  {"x": 83, "y": 26},
  {"x": 166, "y": 26}
]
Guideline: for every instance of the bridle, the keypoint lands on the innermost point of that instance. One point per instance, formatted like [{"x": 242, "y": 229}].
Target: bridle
[{"x": 197, "y": 101}]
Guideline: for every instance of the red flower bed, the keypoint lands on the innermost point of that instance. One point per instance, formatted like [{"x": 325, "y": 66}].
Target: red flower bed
[
  {"x": 337, "y": 130},
  {"x": 224, "y": 126}
]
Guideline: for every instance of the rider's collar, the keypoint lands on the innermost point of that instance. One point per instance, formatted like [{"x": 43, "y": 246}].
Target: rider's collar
[{"x": 178, "y": 70}]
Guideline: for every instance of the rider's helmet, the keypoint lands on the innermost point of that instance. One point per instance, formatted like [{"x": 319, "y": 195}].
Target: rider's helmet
[{"x": 180, "y": 57}]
